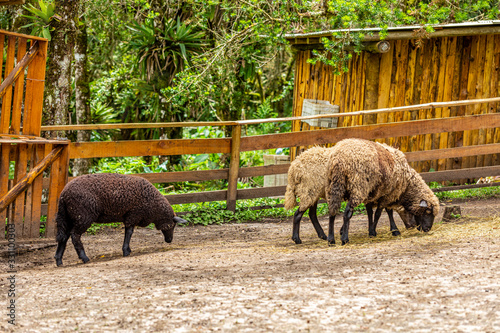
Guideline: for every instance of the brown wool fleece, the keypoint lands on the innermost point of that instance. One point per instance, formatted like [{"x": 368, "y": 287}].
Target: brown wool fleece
[
  {"x": 103, "y": 198},
  {"x": 307, "y": 178},
  {"x": 363, "y": 171}
]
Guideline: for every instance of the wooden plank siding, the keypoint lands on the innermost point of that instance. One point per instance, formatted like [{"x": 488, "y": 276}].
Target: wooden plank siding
[
  {"x": 434, "y": 70},
  {"x": 21, "y": 97}
]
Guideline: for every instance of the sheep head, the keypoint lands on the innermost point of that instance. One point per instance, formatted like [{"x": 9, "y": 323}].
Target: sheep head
[{"x": 168, "y": 228}]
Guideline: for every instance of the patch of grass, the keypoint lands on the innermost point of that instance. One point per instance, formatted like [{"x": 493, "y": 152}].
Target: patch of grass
[
  {"x": 216, "y": 213},
  {"x": 96, "y": 227},
  {"x": 476, "y": 193}
]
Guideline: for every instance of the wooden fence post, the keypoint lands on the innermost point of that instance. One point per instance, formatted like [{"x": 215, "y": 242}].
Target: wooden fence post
[{"x": 234, "y": 166}]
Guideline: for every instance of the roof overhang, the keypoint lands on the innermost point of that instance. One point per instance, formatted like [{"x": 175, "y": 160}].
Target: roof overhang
[{"x": 403, "y": 32}]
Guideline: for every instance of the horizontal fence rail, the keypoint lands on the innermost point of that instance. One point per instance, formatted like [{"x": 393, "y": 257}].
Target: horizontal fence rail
[{"x": 271, "y": 141}]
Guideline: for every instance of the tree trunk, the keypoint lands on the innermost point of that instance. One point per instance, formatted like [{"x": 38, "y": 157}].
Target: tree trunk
[
  {"x": 60, "y": 55},
  {"x": 82, "y": 95}
]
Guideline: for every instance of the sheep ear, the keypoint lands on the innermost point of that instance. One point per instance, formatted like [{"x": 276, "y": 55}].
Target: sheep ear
[
  {"x": 423, "y": 203},
  {"x": 178, "y": 220}
]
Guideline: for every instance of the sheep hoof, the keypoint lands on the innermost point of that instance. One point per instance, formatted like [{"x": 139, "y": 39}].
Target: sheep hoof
[
  {"x": 85, "y": 260},
  {"x": 58, "y": 262},
  {"x": 396, "y": 233},
  {"x": 126, "y": 253},
  {"x": 331, "y": 243},
  {"x": 344, "y": 242},
  {"x": 323, "y": 237},
  {"x": 297, "y": 240},
  {"x": 372, "y": 234}
]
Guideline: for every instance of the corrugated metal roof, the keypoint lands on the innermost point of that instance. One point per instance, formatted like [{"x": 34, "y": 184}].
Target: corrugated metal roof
[{"x": 394, "y": 29}]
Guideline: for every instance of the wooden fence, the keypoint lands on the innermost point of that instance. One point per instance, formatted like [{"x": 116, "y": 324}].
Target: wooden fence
[
  {"x": 238, "y": 143},
  {"x": 22, "y": 149}
]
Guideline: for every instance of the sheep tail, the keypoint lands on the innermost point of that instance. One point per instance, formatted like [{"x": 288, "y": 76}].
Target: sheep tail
[
  {"x": 63, "y": 222},
  {"x": 290, "y": 198}
]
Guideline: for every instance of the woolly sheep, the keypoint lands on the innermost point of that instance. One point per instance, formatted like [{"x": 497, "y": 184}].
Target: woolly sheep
[
  {"x": 365, "y": 171},
  {"x": 308, "y": 180},
  {"x": 104, "y": 198}
]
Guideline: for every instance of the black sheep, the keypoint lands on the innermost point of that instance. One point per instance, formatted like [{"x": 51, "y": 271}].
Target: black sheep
[{"x": 105, "y": 198}]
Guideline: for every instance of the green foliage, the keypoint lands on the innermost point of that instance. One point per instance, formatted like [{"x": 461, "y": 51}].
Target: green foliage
[
  {"x": 96, "y": 227},
  {"x": 478, "y": 193},
  {"x": 216, "y": 213},
  {"x": 41, "y": 18},
  {"x": 165, "y": 51}
]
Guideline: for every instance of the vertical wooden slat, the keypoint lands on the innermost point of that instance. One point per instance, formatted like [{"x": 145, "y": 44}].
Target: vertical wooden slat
[
  {"x": 384, "y": 85},
  {"x": 440, "y": 94},
  {"x": 338, "y": 92},
  {"x": 35, "y": 84},
  {"x": 2, "y": 46},
  {"x": 409, "y": 90},
  {"x": 455, "y": 95},
  {"x": 479, "y": 134},
  {"x": 50, "y": 226},
  {"x": 62, "y": 166},
  {"x": 424, "y": 84},
  {"x": 392, "y": 91},
  {"x": 487, "y": 136},
  {"x": 19, "y": 173},
  {"x": 234, "y": 166},
  {"x": 435, "y": 46},
  {"x": 7, "y": 98},
  {"x": 351, "y": 100},
  {"x": 371, "y": 86},
  {"x": 471, "y": 94},
  {"x": 402, "y": 65},
  {"x": 361, "y": 81},
  {"x": 449, "y": 70},
  {"x": 417, "y": 90},
  {"x": 4, "y": 176},
  {"x": 37, "y": 189},
  {"x": 18, "y": 91},
  {"x": 346, "y": 92},
  {"x": 463, "y": 92},
  {"x": 29, "y": 195},
  {"x": 495, "y": 91}
]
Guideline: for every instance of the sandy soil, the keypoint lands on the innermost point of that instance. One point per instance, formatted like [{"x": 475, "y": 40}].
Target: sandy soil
[{"x": 251, "y": 277}]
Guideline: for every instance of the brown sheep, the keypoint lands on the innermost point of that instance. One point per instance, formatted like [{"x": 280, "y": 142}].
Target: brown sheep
[
  {"x": 308, "y": 181},
  {"x": 364, "y": 171},
  {"x": 104, "y": 198}
]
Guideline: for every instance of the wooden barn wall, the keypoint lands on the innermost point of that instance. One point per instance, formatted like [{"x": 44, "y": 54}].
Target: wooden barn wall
[{"x": 441, "y": 69}]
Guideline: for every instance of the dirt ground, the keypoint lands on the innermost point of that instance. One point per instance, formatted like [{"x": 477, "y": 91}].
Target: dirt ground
[{"x": 251, "y": 277}]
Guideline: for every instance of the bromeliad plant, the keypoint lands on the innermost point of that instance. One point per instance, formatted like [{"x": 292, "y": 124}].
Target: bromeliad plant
[
  {"x": 41, "y": 18},
  {"x": 164, "y": 52}
]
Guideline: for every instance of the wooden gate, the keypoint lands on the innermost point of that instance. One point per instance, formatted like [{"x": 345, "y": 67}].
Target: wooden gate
[{"x": 25, "y": 156}]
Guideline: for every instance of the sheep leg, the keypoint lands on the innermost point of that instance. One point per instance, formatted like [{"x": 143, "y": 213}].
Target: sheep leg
[
  {"x": 61, "y": 246},
  {"x": 345, "y": 227},
  {"x": 126, "y": 242},
  {"x": 296, "y": 226},
  {"x": 369, "y": 212},
  {"x": 378, "y": 213},
  {"x": 314, "y": 219},
  {"x": 394, "y": 228},
  {"x": 77, "y": 243},
  {"x": 331, "y": 236}
]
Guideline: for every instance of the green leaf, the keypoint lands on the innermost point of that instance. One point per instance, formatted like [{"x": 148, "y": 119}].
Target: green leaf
[
  {"x": 201, "y": 158},
  {"x": 46, "y": 33}
]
